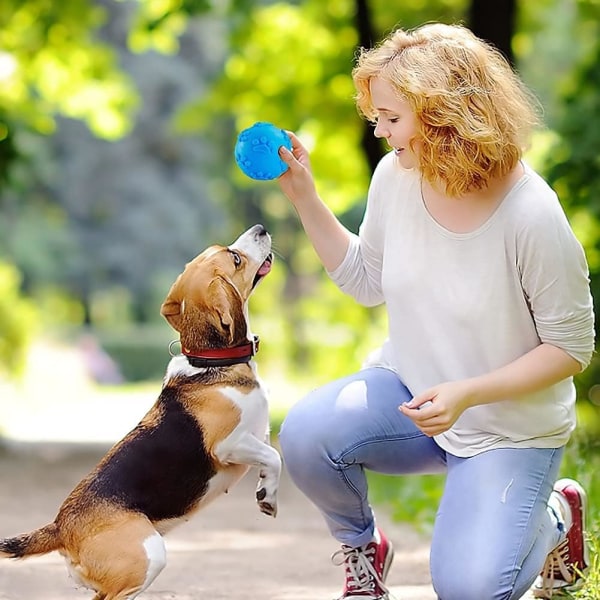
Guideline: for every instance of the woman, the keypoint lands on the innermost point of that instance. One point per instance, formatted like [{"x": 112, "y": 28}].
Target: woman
[{"x": 490, "y": 317}]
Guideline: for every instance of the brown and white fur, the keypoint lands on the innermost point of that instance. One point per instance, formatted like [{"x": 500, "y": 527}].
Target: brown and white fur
[{"x": 207, "y": 428}]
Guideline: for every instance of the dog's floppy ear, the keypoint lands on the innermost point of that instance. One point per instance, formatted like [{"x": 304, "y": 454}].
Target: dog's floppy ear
[
  {"x": 171, "y": 308},
  {"x": 225, "y": 299}
]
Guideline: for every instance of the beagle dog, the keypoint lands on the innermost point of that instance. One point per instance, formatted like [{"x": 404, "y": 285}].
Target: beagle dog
[{"x": 209, "y": 425}]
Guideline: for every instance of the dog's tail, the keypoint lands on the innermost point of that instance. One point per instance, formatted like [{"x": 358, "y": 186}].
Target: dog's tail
[{"x": 40, "y": 541}]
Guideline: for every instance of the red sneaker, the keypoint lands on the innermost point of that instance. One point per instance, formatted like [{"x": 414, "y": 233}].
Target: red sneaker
[
  {"x": 366, "y": 569},
  {"x": 565, "y": 566}
]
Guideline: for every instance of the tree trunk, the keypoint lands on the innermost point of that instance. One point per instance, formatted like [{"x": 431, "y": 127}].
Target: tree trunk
[
  {"x": 494, "y": 22},
  {"x": 372, "y": 147}
]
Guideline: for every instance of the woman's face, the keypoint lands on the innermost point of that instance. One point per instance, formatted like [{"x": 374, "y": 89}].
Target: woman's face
[{"x": 396, "y": 121}]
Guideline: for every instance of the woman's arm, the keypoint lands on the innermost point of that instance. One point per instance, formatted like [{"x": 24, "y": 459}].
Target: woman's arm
[
  {"x": 327, "y": 235},
  {"x": 539, "y": 369}
]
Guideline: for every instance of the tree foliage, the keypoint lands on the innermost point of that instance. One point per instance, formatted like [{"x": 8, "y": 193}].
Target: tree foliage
[
  {"x": 18, "y": 321},
  {"x": 177, "y": 80},
  {"x": 85, "y": 213},
  {"x": 52, "y": 61}
]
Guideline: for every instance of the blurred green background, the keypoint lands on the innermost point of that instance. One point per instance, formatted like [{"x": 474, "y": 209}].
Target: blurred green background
[{"x": 118, "y": 120}]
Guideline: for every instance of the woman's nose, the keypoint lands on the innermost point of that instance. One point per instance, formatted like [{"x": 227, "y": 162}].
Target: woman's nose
[{"x": 380, "y": 132}]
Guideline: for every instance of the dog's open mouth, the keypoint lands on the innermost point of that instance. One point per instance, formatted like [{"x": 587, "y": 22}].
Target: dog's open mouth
[{"x": 263, "y": 270}]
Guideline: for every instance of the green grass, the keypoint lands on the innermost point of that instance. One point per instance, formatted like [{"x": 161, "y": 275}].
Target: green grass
[{"x": 591, "y": 586}]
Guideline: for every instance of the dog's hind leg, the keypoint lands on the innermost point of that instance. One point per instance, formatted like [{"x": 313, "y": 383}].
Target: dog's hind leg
[{"x": 122, "y": 561}]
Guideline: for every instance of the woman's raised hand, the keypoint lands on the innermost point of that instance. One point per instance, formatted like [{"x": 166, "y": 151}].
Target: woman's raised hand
[{"x": 297, "y": 182}]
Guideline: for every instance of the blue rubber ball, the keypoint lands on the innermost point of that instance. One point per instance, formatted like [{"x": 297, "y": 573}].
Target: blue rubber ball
[{"x": 257, "y": 151}]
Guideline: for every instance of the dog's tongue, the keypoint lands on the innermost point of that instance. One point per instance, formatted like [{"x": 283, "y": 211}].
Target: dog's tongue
[{"x": 265, "y": 267}]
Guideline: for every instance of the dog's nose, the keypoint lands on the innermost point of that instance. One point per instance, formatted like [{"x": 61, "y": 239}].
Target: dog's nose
[{"x": 260, "y": 230}]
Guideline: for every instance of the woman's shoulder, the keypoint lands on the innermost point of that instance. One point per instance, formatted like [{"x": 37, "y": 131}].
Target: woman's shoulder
[
  {"x": 533, "y": 199},
  {"x": 534, "y": 211}
]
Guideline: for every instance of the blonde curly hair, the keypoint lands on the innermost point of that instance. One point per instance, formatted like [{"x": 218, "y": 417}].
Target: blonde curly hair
[{"x": 474, "y": 113}]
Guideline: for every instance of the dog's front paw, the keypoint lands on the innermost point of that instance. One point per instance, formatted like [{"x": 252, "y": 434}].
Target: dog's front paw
[{"x": 267, "y": 503}]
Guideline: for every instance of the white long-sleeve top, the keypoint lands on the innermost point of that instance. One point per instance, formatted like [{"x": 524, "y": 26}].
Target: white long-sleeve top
[{"x": 463, "y": 304}]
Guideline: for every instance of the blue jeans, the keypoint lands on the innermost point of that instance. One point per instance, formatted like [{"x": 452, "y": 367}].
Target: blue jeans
[{"x": 492, "y": 531}]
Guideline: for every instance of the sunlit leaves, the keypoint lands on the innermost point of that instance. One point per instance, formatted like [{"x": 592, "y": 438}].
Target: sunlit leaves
[
  {"x": 53, "y": 62},
  {"x": 159, "y": 23},
  {"x": 18, "y": 319}
]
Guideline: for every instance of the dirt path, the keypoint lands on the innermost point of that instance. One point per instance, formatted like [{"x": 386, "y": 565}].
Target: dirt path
[{"x": 230, "y": 550}]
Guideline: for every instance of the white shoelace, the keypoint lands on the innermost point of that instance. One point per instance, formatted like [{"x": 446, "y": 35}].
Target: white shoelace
[
  {"x": 555, "y": 568},
  {"x": 361, "y": 575}
]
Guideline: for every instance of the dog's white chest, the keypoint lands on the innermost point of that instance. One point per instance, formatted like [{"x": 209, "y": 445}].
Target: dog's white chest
[{"x": 254, "y": 410}]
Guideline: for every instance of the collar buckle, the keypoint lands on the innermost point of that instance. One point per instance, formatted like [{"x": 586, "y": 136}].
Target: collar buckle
[{"x": 255, "y": 343}]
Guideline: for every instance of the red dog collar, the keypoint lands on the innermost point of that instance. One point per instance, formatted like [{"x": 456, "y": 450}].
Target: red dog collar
[{"x": 222, "y": 357}]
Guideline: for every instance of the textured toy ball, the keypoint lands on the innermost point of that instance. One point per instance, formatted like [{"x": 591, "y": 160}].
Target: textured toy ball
[{"x": 257, "y": 151}]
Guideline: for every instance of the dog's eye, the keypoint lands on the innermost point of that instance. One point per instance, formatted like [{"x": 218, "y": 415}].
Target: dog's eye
[{"x": 237, "y": 259}]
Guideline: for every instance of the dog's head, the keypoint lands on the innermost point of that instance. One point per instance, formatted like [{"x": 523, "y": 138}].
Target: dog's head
[{"x": 207, "y": 304}]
